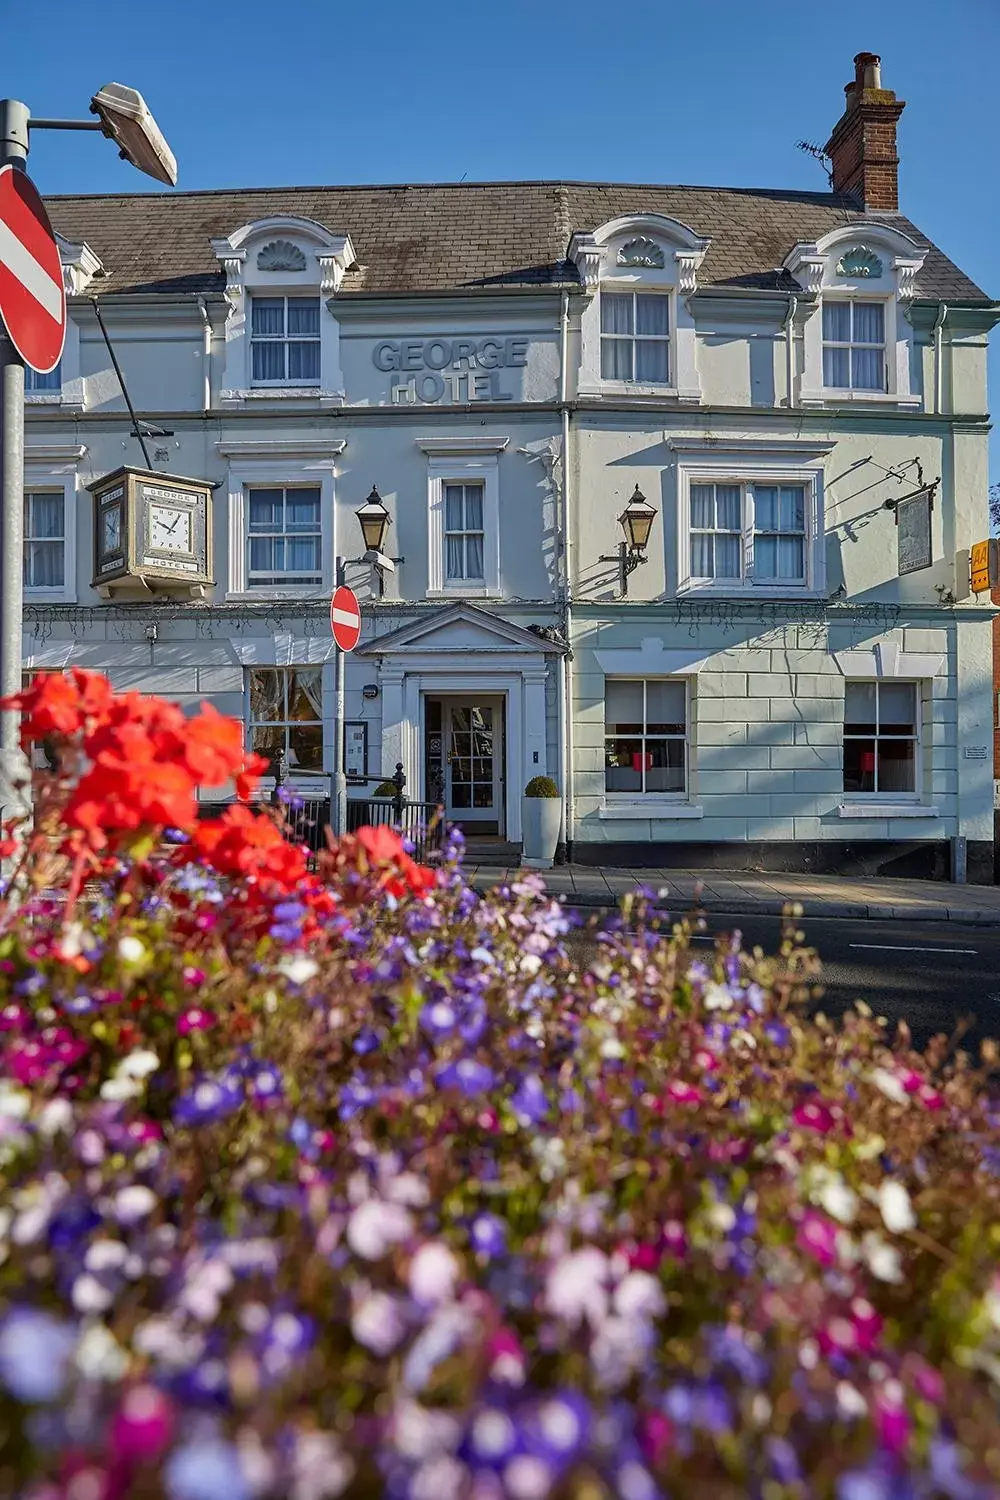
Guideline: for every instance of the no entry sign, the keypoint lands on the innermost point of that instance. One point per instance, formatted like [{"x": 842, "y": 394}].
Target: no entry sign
[
  {"x": 32, "y": 299},
  {"x": 345, "y": 618}
]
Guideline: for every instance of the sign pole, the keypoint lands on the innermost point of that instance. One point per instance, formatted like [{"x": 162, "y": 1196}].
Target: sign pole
[
  {"x": 339, "y": 808},
  {"x": 14, "y": 784}
]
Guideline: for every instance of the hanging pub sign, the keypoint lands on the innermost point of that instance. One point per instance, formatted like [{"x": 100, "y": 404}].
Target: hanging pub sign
[
  {"x": 914, "y": 546},
  {"x": 152, "y": 529},
  {"x": 985, "y": 559}
]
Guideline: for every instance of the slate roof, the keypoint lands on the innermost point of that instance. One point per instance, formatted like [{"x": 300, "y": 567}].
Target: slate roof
[{"x": 469, "y": 236}]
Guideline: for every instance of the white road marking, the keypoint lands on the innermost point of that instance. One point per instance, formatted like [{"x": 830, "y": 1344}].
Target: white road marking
[
  {"x": 33, "y": 277},
  {"x": 912, "y": 948}
]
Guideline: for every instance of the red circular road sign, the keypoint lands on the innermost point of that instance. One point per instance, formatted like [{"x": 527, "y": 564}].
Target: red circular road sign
[
  {"x": 345, "y": 618},
  {"x": 32, "y": 299}
]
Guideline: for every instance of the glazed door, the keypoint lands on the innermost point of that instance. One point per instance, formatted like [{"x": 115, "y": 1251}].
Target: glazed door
[{"x": 473, "y": 735}]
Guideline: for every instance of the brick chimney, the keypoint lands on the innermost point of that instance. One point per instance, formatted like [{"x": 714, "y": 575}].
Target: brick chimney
[{"x": 862, "y": 145}]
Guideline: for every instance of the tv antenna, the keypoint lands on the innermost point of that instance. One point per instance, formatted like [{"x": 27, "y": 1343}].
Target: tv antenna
[{"x": 818, "y": 154}]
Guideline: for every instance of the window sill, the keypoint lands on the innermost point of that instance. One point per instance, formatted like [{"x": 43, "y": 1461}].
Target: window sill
[
  {"x": 314, "y": 593},
  {"x": 49, "y": 596},
  {"x": 644, "y": 392},
  {"x": 883, "y": 810},
  {"x": 751, "y": 590},
  {"x": 658, "y": 811},
  {"x": 855, "y": 398},
  {"x": 464, "y": 591},
  {"x": 43, "y": 398}
]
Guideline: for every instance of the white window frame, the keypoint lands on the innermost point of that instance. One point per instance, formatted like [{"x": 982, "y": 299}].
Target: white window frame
[
  {"x": 263, "y": 295},
  {"x": 853, "y": 392},
  {"x": 633, "y": 289},
  {"x": 294, "y": 471},
  {"x": 786, "y": 465},
  {"x": 464, "y": 531},
  {"x": 53, "y": 468},
  {"x": 463, "y": 461},
  {"x": 888, "y": 799},
  {"x": 300, "y": 779},
  {"x": 285, "y": 490},
  {"x": 651, "y": 800},
  {"x": 36, "y": 590}
]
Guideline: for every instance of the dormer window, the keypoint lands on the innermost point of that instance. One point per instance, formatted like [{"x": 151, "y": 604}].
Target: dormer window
[
  {"x": 284, "y": 340},
  {"x": 854, "y": 345},
  {"x": 282, "y": 337},
  {"x": 857, "y": 340},
  {"x": 637, "y": 329}
]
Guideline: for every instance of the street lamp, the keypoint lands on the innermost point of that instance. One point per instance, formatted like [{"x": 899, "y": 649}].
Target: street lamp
[
  {"x": 122, "y": 115},
  {"x": 636, "y": 520},
  {"x": 375, "y": 521}
]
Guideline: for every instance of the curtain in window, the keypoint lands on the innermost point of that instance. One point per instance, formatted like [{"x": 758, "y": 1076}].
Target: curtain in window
[
  {"x": 268, "y": 361},
  {"x": 616, "y": 312},
  {"x": 43, "y": 565},
  {"x": 303, "y": 317},
  {"x": 474, "y": 558},
  {"x": 302, "y": 510},
  {"x": 44, "y": 547},
  {"x": 837, "y": 369},
  {"x": 651, "y": 316},
  {"x": 309, "y": 681},
  {"x": 727, "y": 498},
  {"x": 651, "y": 362},
  {"x": 303, "y": 361},
  {"x": 868, "y": 369},
  {"x": 869, "y": 323},
  {"x": 43, "y": 515},
  {"x": 837, "y": 322},
  {"x": 267, "y": 317}
]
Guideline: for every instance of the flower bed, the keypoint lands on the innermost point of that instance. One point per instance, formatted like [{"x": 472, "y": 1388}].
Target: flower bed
[{"x": 355, "y": 1183}]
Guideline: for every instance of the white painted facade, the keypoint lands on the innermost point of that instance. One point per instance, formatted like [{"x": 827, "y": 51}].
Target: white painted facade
[{"x": 494, "y": 407}]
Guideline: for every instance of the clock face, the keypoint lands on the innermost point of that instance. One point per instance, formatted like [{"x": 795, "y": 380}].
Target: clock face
[
  {"x": 112, "y": 536},
  {"x": 169, "y": 528}
]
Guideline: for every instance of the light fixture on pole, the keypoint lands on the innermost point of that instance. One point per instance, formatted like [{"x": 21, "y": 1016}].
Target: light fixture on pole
[
  {"x": 636, "y": 520},
  {"x": 375, "y": 521},
  {"x": 122, "y": 115}
]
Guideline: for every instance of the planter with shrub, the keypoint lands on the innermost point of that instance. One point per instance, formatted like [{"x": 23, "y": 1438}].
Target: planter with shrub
[{"x": 541, "y": 819}]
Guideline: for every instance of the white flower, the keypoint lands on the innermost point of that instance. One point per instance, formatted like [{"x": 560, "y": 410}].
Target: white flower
[
  {"x": 895, "y": 1207},
  {"x": 526, "y": 1478},
  {"x": 840, "y": 1201},
  {"x": 612, "y": 1049},
  {"x": 15, "y": 1104},
  {"x": 56, "y": 1117},
  {"x": 721, "y": 1216},
  {"x": 31, "y": 1224},
  {"x": 850, "y": 1402},
  {"x": 991, "y": 1306},
  {"x": 138, "y": 1064},
  {"x": 550, "y": 1153},
  {"x": 433, "y": 1273},
  {"x": 118, "y": 1090},
  {"x": 883, "y": 1260},
  {"x": 377, "y": 1323},
  {"x": 298, "y": 969},
  {"x": 131, "y": 950},
  {"x": 408, "y": 1188},
  {"x": 441, "y": 1478},
  {"x": 134, "y": 1203},
  {"x": 90, "y": 1295},
  {"x": 890, "y": 1085},
  {"x": 530, "y": 964},
  {"x": 575, "y": 1288},
  {"x": 717, "y": 997},
  {"x": 639, "y": 1295},
  {"x": 99, "y": 1356},
  {"x": 321, "y": 1470},
  {"x": 375, "y": 1227}
]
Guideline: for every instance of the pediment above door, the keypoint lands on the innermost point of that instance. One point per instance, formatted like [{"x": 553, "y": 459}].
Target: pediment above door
[{"x": 461, "y": 628}]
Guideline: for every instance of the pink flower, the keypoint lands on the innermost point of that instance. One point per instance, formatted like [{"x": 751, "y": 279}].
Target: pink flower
[
  {"x": 706, "y": 1060},
  {"x": 143, "y": 1425},
  {"x": 891, "y": 1417},
  {"x": 641, "y": 1257},
  {"x": 867, "y": 1323},
  {"x": 930, "y": 1098},
  {"x": 195, "y": 1019},
  {"x": 507, "y": 1358},
  {"x": 817, "y": 1237},
  {"x": 910, "y": 1080},
  {"x": 656, "y": 1436},
  {"x": 673, "y": 1238},
  {"x": 814, "y": 1115},
  {"x": 194, "y": 977},
  {"x": 679, "y": 1092}
]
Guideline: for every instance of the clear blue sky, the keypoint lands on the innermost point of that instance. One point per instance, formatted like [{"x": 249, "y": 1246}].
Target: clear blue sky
[{"x": 717, "y": 92}]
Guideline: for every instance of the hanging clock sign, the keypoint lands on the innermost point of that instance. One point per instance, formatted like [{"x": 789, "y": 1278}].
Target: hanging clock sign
[{"x": 152, "y": 529}]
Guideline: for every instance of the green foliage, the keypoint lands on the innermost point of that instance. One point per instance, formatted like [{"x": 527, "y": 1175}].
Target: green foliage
[{"x": 541, "y": 786}]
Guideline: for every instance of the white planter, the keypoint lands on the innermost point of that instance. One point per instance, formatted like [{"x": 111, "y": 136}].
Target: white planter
[{"x": 541, "y": 819}]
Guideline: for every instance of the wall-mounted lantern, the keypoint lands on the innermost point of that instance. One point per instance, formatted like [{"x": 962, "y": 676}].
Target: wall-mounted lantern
[{"x": 636, "y": 521}]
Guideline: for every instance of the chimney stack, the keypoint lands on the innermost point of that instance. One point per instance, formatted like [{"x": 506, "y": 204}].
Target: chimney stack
[{"x": 862, "y": 145}]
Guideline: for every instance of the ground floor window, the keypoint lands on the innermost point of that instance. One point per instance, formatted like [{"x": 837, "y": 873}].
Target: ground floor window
[
  {"x": 645, "y": 737},
  {"x": 285, "y": 716},
  {"x": 881, "y": 738}
]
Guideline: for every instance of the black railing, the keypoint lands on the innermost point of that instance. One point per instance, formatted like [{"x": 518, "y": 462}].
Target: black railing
[{"x": 308, "y": 818}]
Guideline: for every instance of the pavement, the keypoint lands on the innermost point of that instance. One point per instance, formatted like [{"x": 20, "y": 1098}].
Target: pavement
[{"x": 874, "y": 898}]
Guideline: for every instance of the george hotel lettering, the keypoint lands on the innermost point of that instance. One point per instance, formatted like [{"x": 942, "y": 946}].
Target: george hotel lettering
[{"x": 461, "y": 369}]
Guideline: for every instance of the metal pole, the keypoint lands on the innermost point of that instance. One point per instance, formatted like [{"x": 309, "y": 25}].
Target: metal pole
[
  {"x": 338, "y": 812},
  {"x": 15, "y": 788}
]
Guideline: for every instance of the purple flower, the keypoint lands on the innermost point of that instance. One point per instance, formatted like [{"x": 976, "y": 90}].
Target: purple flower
[
  {"x": 529, "y": 1101},
  {"x": 205, "y": 1469},
  {"x": 468, "y": 1076},
  {"x": 34, "y": 1353},
  {"x": 209, "y": 1100},
  {"x": 492, "y": 1437},
  {"x": 488, "y": 1235},
  {"x": 354, "y": 1097},
  {"x": 265, "y": 1085}
]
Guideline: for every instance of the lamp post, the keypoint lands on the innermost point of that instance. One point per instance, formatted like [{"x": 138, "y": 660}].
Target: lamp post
[
  {"x": 636, "y": 521},
  {"x": 374, "y": 520},
  {"x": 121, "y": 115}
]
